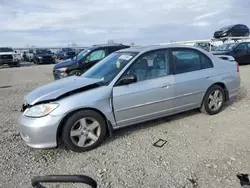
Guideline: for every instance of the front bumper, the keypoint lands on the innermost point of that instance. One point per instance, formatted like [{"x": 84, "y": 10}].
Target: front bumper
[
  {"x": 8, "y": 61},
  {"x": 39, "y": 132}
]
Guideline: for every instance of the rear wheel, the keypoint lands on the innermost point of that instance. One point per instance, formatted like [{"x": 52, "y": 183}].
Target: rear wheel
[
  {"x": 214, "y": 100},
  {"x": 84, "y": 130}
]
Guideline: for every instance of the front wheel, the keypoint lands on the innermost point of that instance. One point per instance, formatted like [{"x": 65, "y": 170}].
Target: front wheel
[
  {"x": 214, "y": 100},
  {"x": 84, "y": 130},
  {"x": 75, "y": 72}
]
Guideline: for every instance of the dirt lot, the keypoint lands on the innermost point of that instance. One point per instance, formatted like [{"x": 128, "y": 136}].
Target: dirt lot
[{"x": 202, "y": 151}]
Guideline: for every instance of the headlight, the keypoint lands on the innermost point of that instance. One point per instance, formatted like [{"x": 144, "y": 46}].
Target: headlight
[
  {"x": 39, "y": 57},
  {"x": 41, "y": 110},
  {"x": 63, "y": 69}
]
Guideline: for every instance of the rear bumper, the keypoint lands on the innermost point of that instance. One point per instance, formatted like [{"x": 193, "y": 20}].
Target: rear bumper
[{"x": 234, "y": 86}]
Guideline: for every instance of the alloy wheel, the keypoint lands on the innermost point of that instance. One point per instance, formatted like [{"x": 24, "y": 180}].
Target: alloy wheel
[
  {"x": 85, "y": 132},
  {"x": 215, "y": 100}
]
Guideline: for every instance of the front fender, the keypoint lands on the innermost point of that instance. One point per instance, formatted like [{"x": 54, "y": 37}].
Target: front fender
[{"x": 98, "y": 99}]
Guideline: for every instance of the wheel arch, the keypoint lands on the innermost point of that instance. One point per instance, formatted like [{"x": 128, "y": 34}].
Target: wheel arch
[
  {"x": 62, "y": 122},
  {"x": 221, "y": 84}
]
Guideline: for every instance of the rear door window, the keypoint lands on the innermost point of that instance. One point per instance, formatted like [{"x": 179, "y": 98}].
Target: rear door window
[{"x": 188, "y": 60}]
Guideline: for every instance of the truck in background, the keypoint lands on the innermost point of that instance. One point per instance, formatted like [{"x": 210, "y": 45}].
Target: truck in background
[{"x": 10, "y": 57}]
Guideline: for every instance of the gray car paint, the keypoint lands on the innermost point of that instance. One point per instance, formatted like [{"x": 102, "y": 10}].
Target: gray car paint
[{"x": 129, "y": 104}]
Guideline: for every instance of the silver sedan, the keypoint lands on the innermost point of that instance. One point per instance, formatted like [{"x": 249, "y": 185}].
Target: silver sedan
[{"x": 127, "y": 87}]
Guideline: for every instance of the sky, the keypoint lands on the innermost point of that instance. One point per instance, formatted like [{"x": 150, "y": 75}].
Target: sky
[{"x": 88, "y": 22}]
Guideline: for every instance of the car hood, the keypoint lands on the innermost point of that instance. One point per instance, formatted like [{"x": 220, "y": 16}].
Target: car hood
[
  {"x": 61, "y": 88},
  {"x": 65, "y": 63}
]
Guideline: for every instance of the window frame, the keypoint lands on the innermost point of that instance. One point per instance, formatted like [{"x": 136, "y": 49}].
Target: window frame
[
  {"x": 143, "y": 54},
  {"x": 248, "y": 46},
  {"x": 237, "y": 47},
  {"x": 189, "y": 49}
]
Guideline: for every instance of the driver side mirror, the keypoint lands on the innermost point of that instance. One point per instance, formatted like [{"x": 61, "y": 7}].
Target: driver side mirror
[{"x": 128, "y": 79}]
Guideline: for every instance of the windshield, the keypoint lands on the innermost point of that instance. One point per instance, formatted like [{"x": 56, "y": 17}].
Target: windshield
[
  {"x": 109, "y": 67},
  {"x": 225, "y": 47},
  {"x": 43, "y": 51},
  {"x": 81, "y": 54},
  {"x": 6, "y": 50}
]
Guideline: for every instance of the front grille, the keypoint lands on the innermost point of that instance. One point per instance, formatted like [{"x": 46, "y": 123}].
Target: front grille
[
  {"x": 47, "y": 57},
  {"x": 4, "y": 57}
]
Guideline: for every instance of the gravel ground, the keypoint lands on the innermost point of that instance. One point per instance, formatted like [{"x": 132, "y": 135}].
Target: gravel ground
[{"x": 202, "y": 151}]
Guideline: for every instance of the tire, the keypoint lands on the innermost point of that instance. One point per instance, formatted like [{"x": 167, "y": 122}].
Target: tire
[
  {"x": 75, "y": 72},
  {"x": 11, "y": 65},
  {"x": 73, "y": 126},
  {"x": 206, "y": 107},
  {"x": 17, "y": 64}
]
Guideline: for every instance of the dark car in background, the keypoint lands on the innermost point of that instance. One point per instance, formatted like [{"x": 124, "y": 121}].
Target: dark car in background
[
  {"x": 238, "y": 30},
  {"x": 240, "y": 51},
  {"x": 44, "y": 56},
  {"x": 64, "y": 53},
  {"x": 84, "y": 60}
]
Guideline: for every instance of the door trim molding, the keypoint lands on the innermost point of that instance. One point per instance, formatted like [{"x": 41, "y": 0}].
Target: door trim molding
[{"x": 158, "y": 101}]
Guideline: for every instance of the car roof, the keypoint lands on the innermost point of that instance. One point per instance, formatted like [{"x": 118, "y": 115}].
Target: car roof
[
  {"x": 105, "y": 45},
  {"x": 142, "y": 49}
]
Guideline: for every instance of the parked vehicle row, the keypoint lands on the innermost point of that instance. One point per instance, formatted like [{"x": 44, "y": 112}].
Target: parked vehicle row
[{"x": 128, "y": 86}]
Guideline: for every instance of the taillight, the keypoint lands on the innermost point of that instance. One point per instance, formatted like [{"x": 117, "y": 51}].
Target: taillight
[{"x": 238, "y": 67}]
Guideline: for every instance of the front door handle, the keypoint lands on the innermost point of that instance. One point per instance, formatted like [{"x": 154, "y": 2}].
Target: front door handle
[{"x": 166, "y": 85}]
